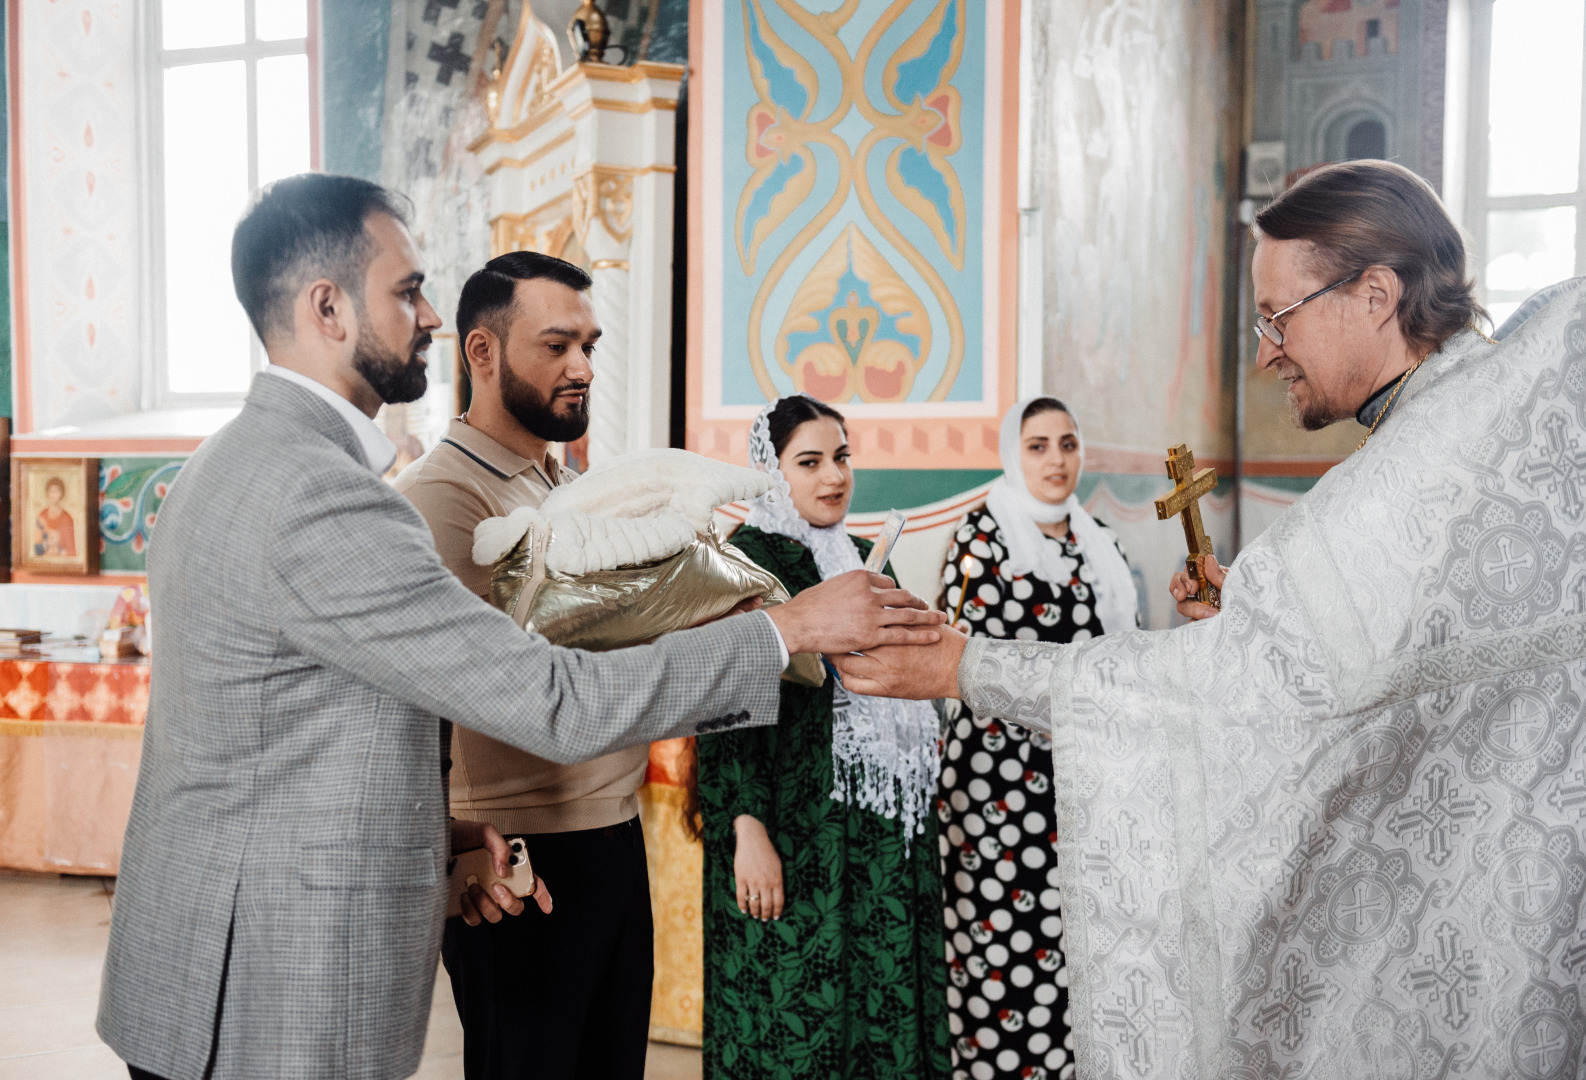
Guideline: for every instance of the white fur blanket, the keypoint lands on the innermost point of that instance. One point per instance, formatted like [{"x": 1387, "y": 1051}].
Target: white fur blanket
[{"x": 633, "y": 509}]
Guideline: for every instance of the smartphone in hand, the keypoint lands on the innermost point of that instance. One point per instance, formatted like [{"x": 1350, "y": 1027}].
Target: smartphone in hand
[
  {"x": 891, "y": 529},
  {"x": 477, "y": 867}
]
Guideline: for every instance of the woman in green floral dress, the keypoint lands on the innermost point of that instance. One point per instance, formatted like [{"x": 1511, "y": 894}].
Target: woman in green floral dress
[{"x": 823, "y": 893}]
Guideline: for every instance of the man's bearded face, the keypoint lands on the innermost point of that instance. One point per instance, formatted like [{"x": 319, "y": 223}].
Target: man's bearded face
[
  {"x": 560, "y": 416},
  {"x": 1318, "y": 357},
  {"x": 394, "y": 319},
  {"x": 1309, "y": 405},
  {"x": 397, "y": 375}
]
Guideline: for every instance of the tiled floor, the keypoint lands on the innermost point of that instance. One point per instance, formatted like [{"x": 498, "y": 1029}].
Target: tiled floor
[{"x": 52, "y": 944}]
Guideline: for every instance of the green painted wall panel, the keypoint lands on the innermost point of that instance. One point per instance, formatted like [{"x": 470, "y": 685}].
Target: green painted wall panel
[{"x": 880, "y": 490}]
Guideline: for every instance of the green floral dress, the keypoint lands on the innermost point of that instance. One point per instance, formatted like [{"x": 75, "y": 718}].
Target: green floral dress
[{"x": 851, "y": 981}]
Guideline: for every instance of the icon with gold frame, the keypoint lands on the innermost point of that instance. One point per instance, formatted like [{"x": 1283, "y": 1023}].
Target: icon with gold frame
[{"x": 55, "y": 515}]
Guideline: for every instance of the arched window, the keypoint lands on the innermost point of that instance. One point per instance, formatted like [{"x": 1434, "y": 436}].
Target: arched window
[
  {"x": 1366, "y": 139},
  {"x": 1360, "y": 132}
]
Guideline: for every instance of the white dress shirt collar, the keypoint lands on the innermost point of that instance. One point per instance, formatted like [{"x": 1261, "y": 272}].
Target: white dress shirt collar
[{"x": 379, "y": 452}]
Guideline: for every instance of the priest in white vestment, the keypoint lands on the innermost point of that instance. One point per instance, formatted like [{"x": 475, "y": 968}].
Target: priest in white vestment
[{"x": 1335, "y": 829}]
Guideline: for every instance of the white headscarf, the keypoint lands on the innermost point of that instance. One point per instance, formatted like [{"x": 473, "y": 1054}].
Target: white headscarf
[
  {"x": 1030, "y": 551},
  {"x": 884, "y": 751}
]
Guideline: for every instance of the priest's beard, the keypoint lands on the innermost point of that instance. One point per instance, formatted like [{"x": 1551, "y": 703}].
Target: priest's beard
[
  {"x": 396, "y": 379},
  {"x": 538, "y": 413},
  {"x": 1315, "y": 412}
]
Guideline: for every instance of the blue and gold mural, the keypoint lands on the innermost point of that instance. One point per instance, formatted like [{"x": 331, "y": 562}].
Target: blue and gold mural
[
  {"x": 854, "y": 240},
  {"x": 131, "y": 490},
  {"x": 856, "y": 237}
]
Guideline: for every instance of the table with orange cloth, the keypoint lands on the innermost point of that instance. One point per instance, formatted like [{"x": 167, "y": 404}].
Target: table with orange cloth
[{"x": 71, "y": 730}]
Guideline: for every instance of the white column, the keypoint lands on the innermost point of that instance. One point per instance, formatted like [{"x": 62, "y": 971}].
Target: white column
[
  {"x": 608, "y": 400},
  {"x": 603, "y": 217},
  {"x": 650, "y": 307}
]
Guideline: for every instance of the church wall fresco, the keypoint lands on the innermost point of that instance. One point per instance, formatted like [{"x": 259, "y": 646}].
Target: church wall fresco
[
  {"x": 1331, "y": 69},
  {"x": 856, "y": 223},
  {"x": 1133, "y": 139},
  {"x": 76, "y": 330},
  {"x": 669, "y": 32},
  {"x": 131, "y": 490},
  {"x": 353, "y": 57},
  {"x": 438, "y": 61},
  {"x": 856, "y": 188}
]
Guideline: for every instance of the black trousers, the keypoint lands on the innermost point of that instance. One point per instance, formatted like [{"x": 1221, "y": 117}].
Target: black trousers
[{"x": 564, "y": 996}]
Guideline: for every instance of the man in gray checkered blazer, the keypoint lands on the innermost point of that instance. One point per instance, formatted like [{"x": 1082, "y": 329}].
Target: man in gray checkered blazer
[{"x": 283, "y": 877}]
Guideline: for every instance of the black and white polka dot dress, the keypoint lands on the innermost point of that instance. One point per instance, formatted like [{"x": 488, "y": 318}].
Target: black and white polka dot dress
[{"x": 1007, "y": 992}]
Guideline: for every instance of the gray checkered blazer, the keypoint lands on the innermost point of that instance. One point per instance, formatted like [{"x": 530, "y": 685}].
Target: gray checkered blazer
[{"x": 283, "y": 878}]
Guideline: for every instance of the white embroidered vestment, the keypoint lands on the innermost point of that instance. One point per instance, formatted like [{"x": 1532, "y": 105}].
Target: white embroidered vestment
[{"x": 1336, "y": 831}]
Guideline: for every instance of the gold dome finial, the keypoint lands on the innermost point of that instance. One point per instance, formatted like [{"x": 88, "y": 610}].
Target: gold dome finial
[{"x": 589, "y": 31}]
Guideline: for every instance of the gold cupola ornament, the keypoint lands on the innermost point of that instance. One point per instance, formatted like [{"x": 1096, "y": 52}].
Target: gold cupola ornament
[{"x": 589, "y": 31}]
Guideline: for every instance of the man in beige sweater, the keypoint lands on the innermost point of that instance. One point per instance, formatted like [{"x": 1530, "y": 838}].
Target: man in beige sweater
[{"x": 564, "y": 994}]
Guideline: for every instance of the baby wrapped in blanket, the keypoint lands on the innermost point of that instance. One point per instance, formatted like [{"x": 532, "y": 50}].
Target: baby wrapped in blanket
[{"x": 627, "y": 552}]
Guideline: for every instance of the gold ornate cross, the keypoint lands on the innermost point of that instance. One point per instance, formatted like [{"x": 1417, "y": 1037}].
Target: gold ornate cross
[{"x": 1188, "y": 486}]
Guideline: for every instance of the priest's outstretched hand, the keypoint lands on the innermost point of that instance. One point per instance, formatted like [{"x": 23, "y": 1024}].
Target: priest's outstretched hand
[
  {"x": 918, "y": 671},
  {"x": 854, "y": 611},
  {"x": 1184, "y": 589}
]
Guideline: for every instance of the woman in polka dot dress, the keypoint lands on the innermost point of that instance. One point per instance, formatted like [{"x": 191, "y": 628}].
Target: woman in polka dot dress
[{"x": 1030, "y": 564}]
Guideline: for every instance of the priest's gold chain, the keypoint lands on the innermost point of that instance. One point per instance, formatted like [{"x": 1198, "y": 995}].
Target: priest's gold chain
[
  {"x": 1388, "y": 405},
  {"x": 1387, "y": 408}
]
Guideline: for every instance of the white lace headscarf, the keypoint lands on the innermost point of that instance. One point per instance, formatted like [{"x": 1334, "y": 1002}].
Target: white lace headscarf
[
  {"x": 1030, "y": 551},
  {"x": 884, "y": 751}
]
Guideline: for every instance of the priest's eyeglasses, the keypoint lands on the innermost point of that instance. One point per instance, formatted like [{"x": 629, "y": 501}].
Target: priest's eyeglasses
[{"x": 1267, "y": 325}]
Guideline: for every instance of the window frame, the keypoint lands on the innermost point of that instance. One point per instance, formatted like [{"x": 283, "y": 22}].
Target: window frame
[
  {"x": 154, "y": 60},
  {"x": 1477, "y": 148}
]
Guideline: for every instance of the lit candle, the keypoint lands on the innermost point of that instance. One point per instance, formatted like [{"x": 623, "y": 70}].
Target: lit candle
[{"x": 963, "y": 586}]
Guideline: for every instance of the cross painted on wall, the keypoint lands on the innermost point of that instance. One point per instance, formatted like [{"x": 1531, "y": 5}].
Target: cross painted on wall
[
  {"x": 451, "y": 58},
  {"x": 432, "y": 9}
]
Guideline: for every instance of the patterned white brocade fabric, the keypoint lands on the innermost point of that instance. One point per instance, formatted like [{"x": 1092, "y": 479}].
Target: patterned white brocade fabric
[{"x": 1337, "y": 830}]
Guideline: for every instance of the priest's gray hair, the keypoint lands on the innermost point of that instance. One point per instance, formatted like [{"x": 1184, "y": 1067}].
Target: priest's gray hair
[
  {"x": 299, "y": 230},
  {"x": 1375, "y": 213}
]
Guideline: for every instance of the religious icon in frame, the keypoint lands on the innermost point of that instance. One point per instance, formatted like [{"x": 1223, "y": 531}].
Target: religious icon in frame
[{"x": 55, "y": 515}]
